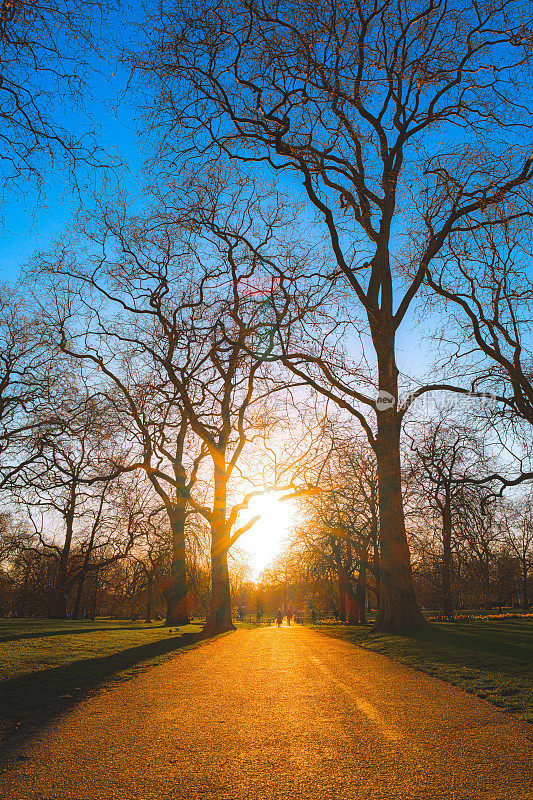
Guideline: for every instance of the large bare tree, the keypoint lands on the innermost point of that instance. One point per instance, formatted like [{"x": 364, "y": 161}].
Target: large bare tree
[
  {"x": 403, "y": 122},
  {"x": 448, "y": 455},
  {"x": 28, "y": 383},
  {"x": 166, "y": 310},
  {"x": 68, "y": 489},
  {"x": 341, "y": 523}
]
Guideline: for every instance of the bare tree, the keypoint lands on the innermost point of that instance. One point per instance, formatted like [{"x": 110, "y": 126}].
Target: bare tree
[
  {"x": 165, "y": 314},
  {"x": 520, "y": 542},
  {"x": 27, "y": 385},
  {"x": 341, "y": 524},
  {"x": 153, "y": 554},
  {"x": 448, "y": 456},
  {"x": 353, "y": 99},
  {"x": 67, "y": 484},
  {"x": 149, "y": 410}
]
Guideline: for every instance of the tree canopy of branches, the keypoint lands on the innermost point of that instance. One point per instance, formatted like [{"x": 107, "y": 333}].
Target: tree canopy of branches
[
  {"x": 339, "y": 533},
  {"x": 166, "y": 319},
  {"x": 483, "y": 280},
  {"x": 68, "y": 479},
  {"x": 448, "y": 459},
  {"x": 402, "y": 120},
  {"x": 44, "y": 52}
]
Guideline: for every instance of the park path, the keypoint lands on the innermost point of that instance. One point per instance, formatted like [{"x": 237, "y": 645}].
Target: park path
[{"x": 277, "y": 713}]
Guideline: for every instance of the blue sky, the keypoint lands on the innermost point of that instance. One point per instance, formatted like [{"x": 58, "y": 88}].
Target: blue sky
[
  {"x": 30, "y": 220},
  {"x": 33, "y": 221}
]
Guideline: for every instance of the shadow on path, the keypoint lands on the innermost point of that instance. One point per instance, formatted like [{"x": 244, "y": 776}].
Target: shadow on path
[{"x": 30, "y": 701}]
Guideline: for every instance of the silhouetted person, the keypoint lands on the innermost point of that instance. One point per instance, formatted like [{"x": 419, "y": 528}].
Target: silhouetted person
[
  {"x": 289, "y": 617},
  {"x": 279, "y": 617}
]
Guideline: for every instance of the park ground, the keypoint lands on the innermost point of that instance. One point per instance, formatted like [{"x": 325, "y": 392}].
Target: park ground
[
  {"x": 48, "y": 665},
  {"x": 489, "y": 656},
  {"x": 273, "y": 712}
]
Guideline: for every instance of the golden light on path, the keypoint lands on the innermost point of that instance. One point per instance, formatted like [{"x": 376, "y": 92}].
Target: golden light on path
[{"x": 265, "y": 540}]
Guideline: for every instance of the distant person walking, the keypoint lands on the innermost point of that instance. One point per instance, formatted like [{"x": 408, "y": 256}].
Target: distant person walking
[
  {"x": 279, "y": 617},
  {"x": 289, "y": 617}
]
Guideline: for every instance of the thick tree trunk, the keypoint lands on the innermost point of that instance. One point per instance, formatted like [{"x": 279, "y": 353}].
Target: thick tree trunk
[
  {"x": 219, "y": 619},
  {"x": 398, "y": 610},
  {"x": 58, "y": 606},
  {"x": 176, "y": 594},
  {"x": 356, "y": 602},
  {"x": 354, "y": 611},
  {"x": 447, "y": 598}
]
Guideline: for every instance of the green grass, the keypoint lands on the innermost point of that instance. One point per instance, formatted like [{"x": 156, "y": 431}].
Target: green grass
[
  {"x": 492, "y": 659},
  {"x": 46, "y": 665}
]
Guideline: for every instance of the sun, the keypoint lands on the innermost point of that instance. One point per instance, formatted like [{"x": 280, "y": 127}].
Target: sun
[{"x": 264, "y": 541}]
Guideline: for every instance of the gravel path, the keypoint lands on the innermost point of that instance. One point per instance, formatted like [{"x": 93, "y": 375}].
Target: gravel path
[{"x": 277, "y": 713}]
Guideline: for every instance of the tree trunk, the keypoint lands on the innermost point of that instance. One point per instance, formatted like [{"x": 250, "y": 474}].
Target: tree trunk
[
  {"x": 360, "y": 592},
  {"x": 79, "y": 592},
  {"x": 176, "y": 594},
  {"x": 342, "y": 597},
  {"x": 149, "y": 597},
  {"x": 85, "y": 567},
  {"x": 58, "y": 606},
  {"x": 219, "y": 619},
  {"x": 447, "y": 599},
  {"x": 94, "y": 603},
  {"x": 356, "y": 599},
  {"x": 398, "y": 610},
  {"x": 377, "y": 580},
  {"x": 525, "y": 598},
  {"x": 353, "y": 614},
  {"x": 81, "y": 581}
]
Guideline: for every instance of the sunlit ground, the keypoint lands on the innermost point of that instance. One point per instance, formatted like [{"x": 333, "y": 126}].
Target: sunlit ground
[{"x": 264, "y": 542}]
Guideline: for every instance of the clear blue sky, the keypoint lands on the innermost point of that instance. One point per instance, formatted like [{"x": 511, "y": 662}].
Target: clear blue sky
[{"x": 30, "y": 220}]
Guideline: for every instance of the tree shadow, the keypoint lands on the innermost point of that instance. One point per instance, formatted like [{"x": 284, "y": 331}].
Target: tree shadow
[
  {"x": 512, "y": 641},
  {"x": 30, "y": 701},
  {"x": 39, "y": 634}
]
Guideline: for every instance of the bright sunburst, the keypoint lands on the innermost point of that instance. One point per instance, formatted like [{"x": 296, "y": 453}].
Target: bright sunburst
[{"x": 265, "y": 540}]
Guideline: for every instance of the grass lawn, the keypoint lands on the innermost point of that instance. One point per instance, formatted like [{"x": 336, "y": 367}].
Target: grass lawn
[
  {"x": 46, "y": 665},
  {"x": 489, "y": 658}
]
